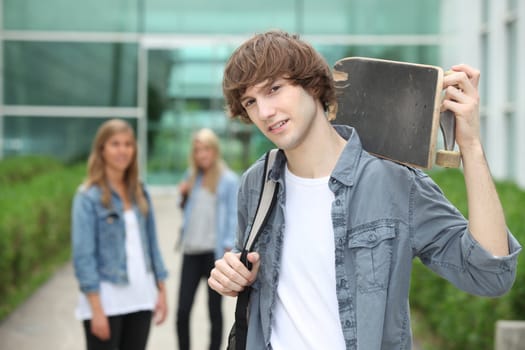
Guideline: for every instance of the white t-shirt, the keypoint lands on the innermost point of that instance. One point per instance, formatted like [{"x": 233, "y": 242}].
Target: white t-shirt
[
  {"x": 141, "y": 292},
  {"x": 306, "y": 310}
]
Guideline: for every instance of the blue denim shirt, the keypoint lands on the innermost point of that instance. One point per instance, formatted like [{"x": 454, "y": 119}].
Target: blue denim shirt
[
  {"x": 226, "y": 214},
  {"x": 98, "y": 239},
  {"x": 384, "y": 215}
]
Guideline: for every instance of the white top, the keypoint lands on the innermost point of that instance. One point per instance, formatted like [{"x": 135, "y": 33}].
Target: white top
[
  {"x": 141, "y": 292},
  {"x": 200, "y": 233},
  {"x": 306, "y": 309}
]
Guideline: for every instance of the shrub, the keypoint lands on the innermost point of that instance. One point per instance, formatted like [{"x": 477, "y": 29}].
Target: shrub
[
  {"x": 18, "y": 169},
  {"x": 34, "y": 228}
]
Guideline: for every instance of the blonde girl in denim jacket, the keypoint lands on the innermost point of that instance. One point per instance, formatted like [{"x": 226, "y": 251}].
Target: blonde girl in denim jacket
[
  {"x": 208, "y": 230},
  {"x": 116, "y": 255}
]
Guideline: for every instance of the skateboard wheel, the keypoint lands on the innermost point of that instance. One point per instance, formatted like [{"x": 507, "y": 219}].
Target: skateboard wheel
[{"x": 448, "y": 159}]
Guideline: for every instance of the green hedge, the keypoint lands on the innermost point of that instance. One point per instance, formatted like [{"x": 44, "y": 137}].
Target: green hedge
[
  {"x": 35, "y": 207},
  {"x": 460, "y": 320},
  {"x": 18, "y": 169}
]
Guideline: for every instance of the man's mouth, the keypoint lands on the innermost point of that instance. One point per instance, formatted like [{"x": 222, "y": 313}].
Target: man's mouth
[{"x": 278, "y": 125}]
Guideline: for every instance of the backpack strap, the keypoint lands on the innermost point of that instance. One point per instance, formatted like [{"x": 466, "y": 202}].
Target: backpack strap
[
  {"x": 266, "y": 202},
  {"x": 264, "y": 208}
]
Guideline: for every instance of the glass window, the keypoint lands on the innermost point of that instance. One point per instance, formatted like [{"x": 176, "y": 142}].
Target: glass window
[
  {"x": 372, "y": 17},
  {"x": 183, "y": 85},
  {"x": 70, "y": 74},
  {"x": 72, "y": 15},
  {"x": 309, "y": 17},
  {"x": 226, "y": 16},
  {"x": 68, "y": 139}
]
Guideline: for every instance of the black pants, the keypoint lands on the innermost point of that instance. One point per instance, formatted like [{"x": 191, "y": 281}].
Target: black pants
[
  {"x": 194, "y": 268},
  {"x": 128, "y": 332}
]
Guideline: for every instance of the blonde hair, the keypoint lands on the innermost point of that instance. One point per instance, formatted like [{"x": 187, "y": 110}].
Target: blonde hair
[
  {"x": 96, "y": 167},
  {"x": 210, "y": 139}
]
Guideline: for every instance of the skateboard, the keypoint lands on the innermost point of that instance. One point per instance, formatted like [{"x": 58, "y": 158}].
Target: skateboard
[{"x": 395, "y": 108}]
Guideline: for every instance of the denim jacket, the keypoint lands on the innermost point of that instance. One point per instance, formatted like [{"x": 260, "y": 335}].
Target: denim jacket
[
  {"x": 384, "y": 215},
  {"x": 98, "y": 239},
  {"x": 226, "y": 214}
]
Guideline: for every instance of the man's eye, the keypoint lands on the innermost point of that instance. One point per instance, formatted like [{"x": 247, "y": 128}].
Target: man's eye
[
  {"x": 248, "y": 103},
  {"x": 275, "y": 88}
]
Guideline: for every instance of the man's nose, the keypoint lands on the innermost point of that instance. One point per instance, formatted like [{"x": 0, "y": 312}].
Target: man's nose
[{"x": 266, "y": 109}]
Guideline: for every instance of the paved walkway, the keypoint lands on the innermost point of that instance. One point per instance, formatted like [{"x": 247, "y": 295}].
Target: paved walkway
[{"x": 47, "y": 321}]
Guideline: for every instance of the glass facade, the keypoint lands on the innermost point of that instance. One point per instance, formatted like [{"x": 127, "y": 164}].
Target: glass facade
[
  {"x": 227, "y": 16},
  {"x": 72, "y": 15},
  {"x": 70, "y": 74},
  {"x": 70, "y": 64}
]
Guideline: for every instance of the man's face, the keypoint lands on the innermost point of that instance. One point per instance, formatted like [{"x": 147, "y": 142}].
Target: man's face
[{"x": 283, "y": 112}]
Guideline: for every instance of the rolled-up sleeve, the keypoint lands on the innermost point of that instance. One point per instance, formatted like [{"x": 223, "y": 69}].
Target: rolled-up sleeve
[
  {"x": 501, "y": 270},
  {"x": 443, "y": 242}
]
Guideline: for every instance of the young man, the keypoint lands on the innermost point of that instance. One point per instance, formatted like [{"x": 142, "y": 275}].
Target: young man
[{"x": 333, "y": 263}]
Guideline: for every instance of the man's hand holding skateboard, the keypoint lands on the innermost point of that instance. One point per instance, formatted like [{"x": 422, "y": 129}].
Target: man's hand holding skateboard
[{"x": 462, "y": 98}]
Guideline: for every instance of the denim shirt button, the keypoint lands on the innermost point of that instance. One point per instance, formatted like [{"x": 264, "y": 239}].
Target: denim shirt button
[
  {"x": 338, "y": 202},
  {"x": 372, "y": 237}
]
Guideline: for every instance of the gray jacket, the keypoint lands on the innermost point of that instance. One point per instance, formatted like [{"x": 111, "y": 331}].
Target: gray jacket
[{"x": 384, "y": 214}]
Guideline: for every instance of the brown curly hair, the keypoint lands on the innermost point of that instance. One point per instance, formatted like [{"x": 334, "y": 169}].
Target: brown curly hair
[{"x": 272, "y": 55}]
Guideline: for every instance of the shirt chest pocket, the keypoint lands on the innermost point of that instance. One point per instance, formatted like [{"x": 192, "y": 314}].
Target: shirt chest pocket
[
  {"x": 109, "y": 224},
  {"x": 371, "y": 249}
]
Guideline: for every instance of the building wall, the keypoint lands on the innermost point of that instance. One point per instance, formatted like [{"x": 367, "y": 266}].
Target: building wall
[{"x": 490, "y": 35}]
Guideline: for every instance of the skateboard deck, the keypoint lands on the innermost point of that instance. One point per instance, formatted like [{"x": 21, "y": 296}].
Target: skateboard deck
[{"x": 394, "y": 106}]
